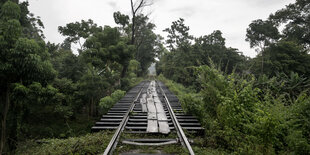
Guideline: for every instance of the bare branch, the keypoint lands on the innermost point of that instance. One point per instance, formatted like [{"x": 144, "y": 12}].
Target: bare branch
[
  {"x": 132, "y": 7},
  {"x": 141, "y": 4},
  {"x": 136, "y": 8}
]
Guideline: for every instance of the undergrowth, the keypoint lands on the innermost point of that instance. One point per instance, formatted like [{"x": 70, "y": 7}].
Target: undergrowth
[{"x": 93, "y": 143}]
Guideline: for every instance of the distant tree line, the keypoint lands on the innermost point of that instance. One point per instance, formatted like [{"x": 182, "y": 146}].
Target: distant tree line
[
  {"x": 186, "y": 52},
  {"x": 278, "y": 52}
]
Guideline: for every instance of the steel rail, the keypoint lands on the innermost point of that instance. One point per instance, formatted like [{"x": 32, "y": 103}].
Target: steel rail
[
  {"x": 115, "y": 138},
  {"x": 177, "y": 125}
]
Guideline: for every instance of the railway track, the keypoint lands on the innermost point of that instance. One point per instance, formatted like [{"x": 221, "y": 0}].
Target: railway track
[{"x": 128, "y": 116}]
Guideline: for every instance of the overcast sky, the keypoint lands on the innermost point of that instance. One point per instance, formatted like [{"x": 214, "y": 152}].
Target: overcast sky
[{"x": 232, "y": 17}]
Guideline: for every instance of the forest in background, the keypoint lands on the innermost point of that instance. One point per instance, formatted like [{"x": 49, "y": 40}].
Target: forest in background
[{"x": 247, "y": 105}]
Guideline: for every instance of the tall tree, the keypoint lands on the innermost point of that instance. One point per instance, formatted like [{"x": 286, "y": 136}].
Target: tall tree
[
  {"x": 77, "y": 31},
  {"x": 136, "y": 8},
  {"x": 107, "y": 55},
  {"x": 123, "y": 20},
  {"x": 148, "y": 45},
  {"x": 261, "y": 34},
  {"x": 32, "y": 25},
  {"x": 295, "y": 18},
  {"x": 22, "y": 61},
  {"x": 178, "y": 35},
  {"x": 294, "y": 21}
]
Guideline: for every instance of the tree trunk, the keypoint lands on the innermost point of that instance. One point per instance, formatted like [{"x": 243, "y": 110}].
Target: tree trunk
[
  {"x": 133, "y": 29},
  {"x": 87, "y": 111},
  {"x": 124, "y": 70},
  {"x": 3, "y": 121},
  {"x": 92, "y": 107},
  {"x": 94, "y": 110},
  {"x": 13, "y": 139},
  {"x": 262, "y": 62},
  {"x": 133, "y": 23}
]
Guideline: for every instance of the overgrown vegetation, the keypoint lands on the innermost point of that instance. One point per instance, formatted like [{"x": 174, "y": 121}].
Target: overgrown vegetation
[
  {"x": 247, "y": 105},
  {"x": 47, "y": 91},
  {"x": 88, "y": 144},
  {"x": 245, "y": 115}
]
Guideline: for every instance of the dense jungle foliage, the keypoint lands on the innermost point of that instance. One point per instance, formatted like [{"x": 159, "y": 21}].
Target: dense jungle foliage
[
  {"x": 47, "y": 91},
  {"x": 255, "y": 105},
  {"x": 51, "y": 96}
]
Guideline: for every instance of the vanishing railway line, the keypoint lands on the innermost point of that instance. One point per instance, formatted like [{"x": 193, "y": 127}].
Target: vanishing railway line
[{"x": 129, "y": 116}]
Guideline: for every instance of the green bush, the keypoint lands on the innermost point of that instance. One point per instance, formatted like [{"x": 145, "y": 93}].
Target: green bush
[
  {"x": 117, "y": 95},
  {"x": 107, "y": 102},
  {"x": 241, "y": 118}
]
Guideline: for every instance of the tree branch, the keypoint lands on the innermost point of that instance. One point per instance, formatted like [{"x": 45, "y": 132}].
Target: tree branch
[
  {"x": 139, "y": 6},
  {"x": 132, "y": 7}
]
